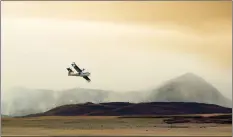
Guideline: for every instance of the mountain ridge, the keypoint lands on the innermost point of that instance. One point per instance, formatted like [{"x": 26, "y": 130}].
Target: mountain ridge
[
  {"x": 190, "y": 88},
  {"x": 134, "y": 109},
  {"x": 24, "y": 100}
]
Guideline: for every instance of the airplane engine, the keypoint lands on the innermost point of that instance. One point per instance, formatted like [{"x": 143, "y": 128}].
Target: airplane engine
[{"x": 69, "y": 70}]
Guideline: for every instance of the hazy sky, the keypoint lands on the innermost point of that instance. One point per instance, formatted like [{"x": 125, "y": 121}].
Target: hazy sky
[{"x": 125, "y": 45}]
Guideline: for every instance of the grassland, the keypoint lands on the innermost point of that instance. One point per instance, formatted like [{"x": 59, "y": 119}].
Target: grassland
[{"x": 109, "y": 125}]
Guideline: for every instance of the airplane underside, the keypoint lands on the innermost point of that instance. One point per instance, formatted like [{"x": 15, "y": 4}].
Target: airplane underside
[{"x": 78, "y": 75}]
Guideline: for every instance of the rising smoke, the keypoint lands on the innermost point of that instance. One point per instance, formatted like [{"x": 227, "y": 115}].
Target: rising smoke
[
  {"x": 186, "y": 88},
  {"x": 23, "y": 101}
]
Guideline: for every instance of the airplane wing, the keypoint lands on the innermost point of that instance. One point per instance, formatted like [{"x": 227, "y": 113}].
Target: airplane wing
[
  {"x": 76, "y": 67},
  {"x": 85, "y": 77}
]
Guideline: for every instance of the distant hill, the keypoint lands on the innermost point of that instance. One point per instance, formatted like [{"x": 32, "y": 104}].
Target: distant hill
[
  {"x": 186, "y": 88},
  {"x": 189, "y": 88},
  {"x": 130, "y": 109}
]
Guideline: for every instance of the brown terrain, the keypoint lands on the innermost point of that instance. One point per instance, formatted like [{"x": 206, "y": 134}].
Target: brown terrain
[
  {"x": 130, "y": 109},
  {"x": 121, "y": 118}
]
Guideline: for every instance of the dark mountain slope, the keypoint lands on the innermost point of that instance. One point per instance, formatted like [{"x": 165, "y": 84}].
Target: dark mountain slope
[{"x": 153, "y": 108}]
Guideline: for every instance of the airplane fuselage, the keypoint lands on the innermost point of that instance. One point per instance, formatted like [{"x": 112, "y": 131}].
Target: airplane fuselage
[{"x": 81, "y": 74}]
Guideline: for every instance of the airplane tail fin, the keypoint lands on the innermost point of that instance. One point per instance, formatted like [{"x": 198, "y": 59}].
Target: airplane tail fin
[{"x": 69, "y": 71}]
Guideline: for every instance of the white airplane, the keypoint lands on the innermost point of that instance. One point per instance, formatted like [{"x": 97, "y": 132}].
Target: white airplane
[{"x": 80, "y": 73}]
